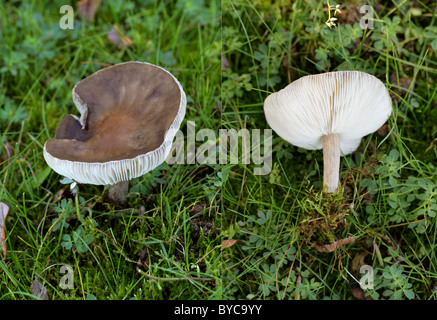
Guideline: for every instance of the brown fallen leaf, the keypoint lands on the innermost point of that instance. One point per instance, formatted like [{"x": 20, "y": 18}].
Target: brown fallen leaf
[
  {"x": 358, "y": 261},
  {"x": 38, "y": 290},
  {"x": 229, "y": 243},
  {"x": 88, "y": 9},
  {"x": 299, "y": 279},
  {"x": 359, "y": 293},
  {"x": 4, "y": 210},
  {"x": 118, "y": 38},
  {"x": 335, "y": 245},
  {"x": 225, "y": 63}
]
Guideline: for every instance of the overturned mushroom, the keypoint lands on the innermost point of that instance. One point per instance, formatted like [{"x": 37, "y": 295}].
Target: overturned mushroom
[
  {"x": 332, "y": 111},
  {"x": 130, "y": 113}
]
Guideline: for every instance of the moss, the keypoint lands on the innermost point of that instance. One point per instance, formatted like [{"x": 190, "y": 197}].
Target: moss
[{"x": 324, "y": 216}]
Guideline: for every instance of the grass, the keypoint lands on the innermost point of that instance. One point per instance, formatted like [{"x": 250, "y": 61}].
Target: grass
[
  {"x": 389, "y": 185},
  {"x": 150, "y": 248}
]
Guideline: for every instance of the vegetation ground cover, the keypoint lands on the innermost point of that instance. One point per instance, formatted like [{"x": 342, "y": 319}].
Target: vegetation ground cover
[
  {"x": 164, "y": 243},
  {"x": 386, "y": 211}
]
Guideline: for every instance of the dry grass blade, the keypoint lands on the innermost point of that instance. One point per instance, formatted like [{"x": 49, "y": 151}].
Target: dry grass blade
[{"x": 9, "y": 152}]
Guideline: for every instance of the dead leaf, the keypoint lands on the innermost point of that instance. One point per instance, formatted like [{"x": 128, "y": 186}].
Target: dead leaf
[
  {"x": 196, "y": 209},
  {"x": 38, "y": 290},
  {"x": 143, "y": 261},
  {"x": 358, "y": 261},
  {"x": 359, "y": 293},
  {"x": 229, "y": 243},
  {"x": 118, "y": 38},
  {"x": 88, "y": 9},
  {"x": 218, "y": 110},
  {"x": 225, "y": 63},
  {"x": 59, "y": 194},
  {"x": 383, "y": 131},
  {"x": 335, "y": 245},
  {"x": 4, "y": 210}
]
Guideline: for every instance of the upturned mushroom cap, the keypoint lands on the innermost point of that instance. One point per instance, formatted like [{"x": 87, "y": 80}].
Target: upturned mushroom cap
[
  {"x": 351, "y": 104},
  {"x": 130, "y": 113}
]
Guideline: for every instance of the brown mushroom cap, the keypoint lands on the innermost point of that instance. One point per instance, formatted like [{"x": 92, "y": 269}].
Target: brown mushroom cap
[{"x": 130, "y": 113}]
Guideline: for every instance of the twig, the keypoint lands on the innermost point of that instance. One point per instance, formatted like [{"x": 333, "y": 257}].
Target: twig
[{"x": 335, "y": 245}]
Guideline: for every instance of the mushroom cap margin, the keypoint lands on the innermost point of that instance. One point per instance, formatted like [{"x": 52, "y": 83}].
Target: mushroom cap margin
[{"x": 111, "y": 172}]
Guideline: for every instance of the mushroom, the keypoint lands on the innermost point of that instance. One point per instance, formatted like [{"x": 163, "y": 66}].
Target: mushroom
[
  {"x": 332, "y": 111},
  {"x": 130, "y": 113}
]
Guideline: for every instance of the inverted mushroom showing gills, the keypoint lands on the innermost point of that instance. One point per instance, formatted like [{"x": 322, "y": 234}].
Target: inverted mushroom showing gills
[
  {"x": 130, "y": 113},
  {"x": 332, "y": 111}
]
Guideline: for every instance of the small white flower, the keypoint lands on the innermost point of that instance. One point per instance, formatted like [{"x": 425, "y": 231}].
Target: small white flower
[{"x": 330, "y": 24}]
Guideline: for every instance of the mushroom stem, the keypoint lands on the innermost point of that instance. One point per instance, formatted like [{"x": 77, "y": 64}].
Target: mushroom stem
[
  {"x": 331, "y": 162},
  {"x": 118, "y": 192}
]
